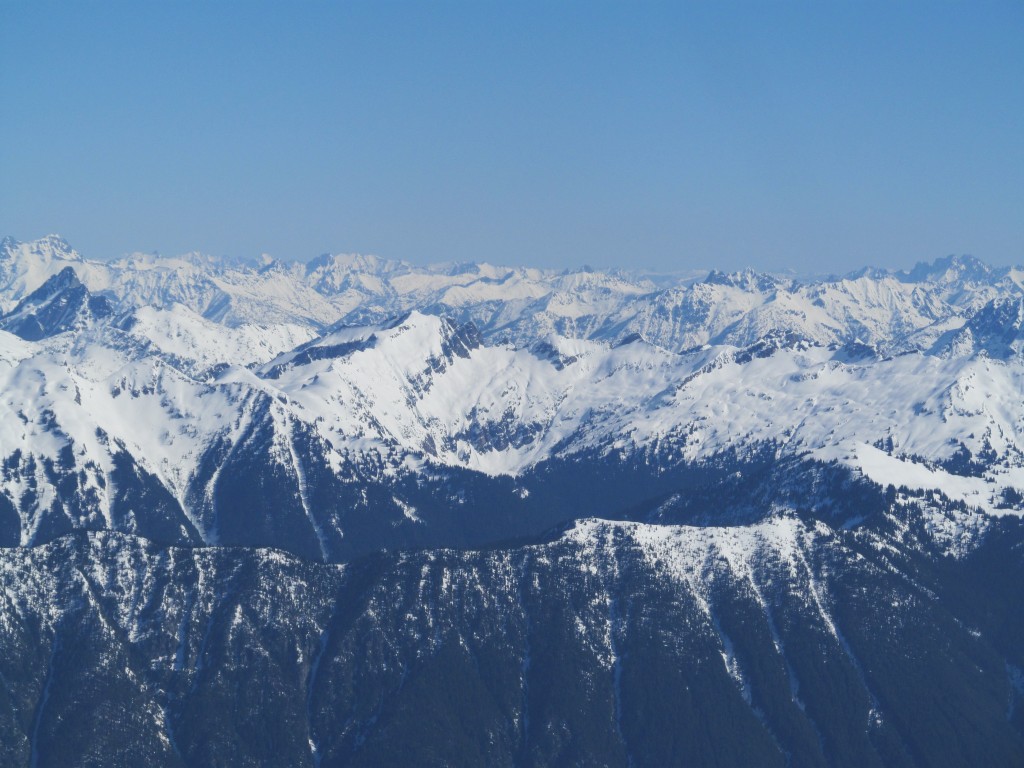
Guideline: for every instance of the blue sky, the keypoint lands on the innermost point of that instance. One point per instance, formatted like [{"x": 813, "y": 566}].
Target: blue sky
[{"x": 780, "y": 135}]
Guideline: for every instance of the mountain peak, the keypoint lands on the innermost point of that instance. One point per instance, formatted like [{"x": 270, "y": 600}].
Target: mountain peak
[
  {"x": 55, "y": 241},
  {"x": 949, "y": 269},
  {"x": 46, "y": 248},
  {"x": 58, "y": 305},
  {"x": 62, "y": 281},
  {"x": 746, "y": 279},
  {"x": 439, "y": 337}
]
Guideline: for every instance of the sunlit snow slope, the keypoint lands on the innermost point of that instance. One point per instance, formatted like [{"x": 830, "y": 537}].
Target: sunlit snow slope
[{"x": 909, "y": 379}]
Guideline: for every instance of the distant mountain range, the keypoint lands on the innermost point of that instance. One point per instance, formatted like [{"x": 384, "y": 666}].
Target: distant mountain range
[{"x": 358, "y": 512}]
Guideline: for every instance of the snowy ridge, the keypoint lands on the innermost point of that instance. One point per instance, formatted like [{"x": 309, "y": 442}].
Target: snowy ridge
[
  {"x": 263, "y": 513},
  {"x": 163, "y": 396},
  {"x": 749, "y": 615},
  {"x": 890, "y": 310}
]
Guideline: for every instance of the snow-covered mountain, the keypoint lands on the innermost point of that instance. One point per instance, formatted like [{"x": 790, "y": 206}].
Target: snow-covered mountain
[
  {"x": 98, "y": 381},
  {"x": 785, "y": 642},
  {"x": 895, "y": 311},
  {"x": 727, "y": 439}
]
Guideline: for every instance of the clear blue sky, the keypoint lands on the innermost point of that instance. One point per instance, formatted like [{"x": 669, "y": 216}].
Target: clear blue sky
[{"x": 780, "y": 135}]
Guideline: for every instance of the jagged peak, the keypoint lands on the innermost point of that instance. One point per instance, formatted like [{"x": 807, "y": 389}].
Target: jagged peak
[
  {"x": 60, "y": 304},
  {"x": 746, "y": 279},
  {"x": 869, "y": 272},
  {"x": 1003, "y": 313},
  {"x": 774, "y": 341},
  {"x": 352, "y": 262},
  {"x": 410, "y": 337},
  {"x": 66, "y": 279},
  {"x": 431, "y": 329},
  {"x": 948, "y": 269},
  {"x": 55, "y": 241},
  {"x": 996, "y": 330},
  {"x": 156, "y": 260},
  {"x": 46, "y": 247}
]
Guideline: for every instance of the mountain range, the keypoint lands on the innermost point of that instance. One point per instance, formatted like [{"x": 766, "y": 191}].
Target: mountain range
[{"x": 359, "y": 512}]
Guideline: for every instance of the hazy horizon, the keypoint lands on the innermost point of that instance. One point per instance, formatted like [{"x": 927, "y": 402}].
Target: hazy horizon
[
  {"x": 662, "y": 137},
  {"x": 690, "y": 272}
]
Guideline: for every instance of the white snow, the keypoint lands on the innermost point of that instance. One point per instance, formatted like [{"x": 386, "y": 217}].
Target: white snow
[{"x": 198, "y": 341}]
